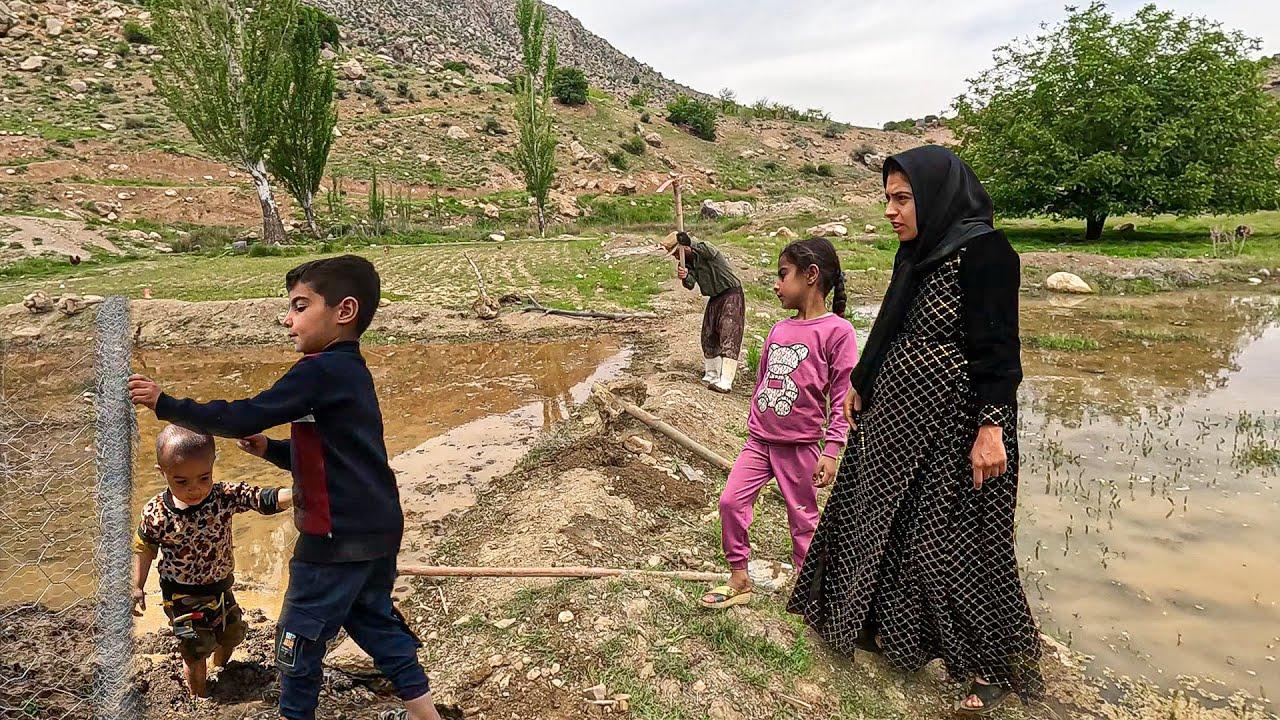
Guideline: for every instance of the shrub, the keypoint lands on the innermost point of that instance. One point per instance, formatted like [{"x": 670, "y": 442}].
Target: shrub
[
  {"x": 493, "y": 127},
  {"x": 570, "y": 86},
  {"x": 821, "y": 170},
  {"x": 617, "y": 159},
  {"x": 123, "y": 48},
  {"x": 457, "y": 66},
  {"x": 635, "y": 145},
  {"x": 860, "y": 154},
  {"x": 402, "y": 89},
  {"x": 770, "y": 166},
  {"x": 640, "y": 98},
  {"x": 694, "y": 114},
  {"x": 137, "y": 122},
  {"x": 136, "y": 33},
  {"x": 834, "y": 130}
]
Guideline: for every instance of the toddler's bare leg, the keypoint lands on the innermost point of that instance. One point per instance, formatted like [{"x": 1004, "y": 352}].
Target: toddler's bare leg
[
  {"x": 221, "y": 655},
  {"x": 195, "y": 672}
]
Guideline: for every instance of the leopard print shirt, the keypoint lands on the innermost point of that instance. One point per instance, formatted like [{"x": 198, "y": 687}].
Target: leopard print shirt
[{"x": 195, "y": 542}]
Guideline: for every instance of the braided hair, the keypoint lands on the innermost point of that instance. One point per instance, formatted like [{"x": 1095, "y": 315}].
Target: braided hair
[{"x": 820, "y": 252}]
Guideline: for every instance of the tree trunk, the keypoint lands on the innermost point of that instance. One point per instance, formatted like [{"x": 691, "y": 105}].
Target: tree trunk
[
  {"x": 310, "y": 214},
  {"x": 542, "y": 220},
  {"x": 1093, "y": 227},
  {"x": 272, "y": 227}
]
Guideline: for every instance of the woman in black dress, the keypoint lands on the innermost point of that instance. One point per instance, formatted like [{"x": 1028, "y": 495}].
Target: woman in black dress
[{"x": 914, "y": 556}]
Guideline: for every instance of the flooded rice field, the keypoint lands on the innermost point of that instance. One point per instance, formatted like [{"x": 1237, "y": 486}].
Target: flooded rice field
[
  {"x": 1149, "y": 500},
  {"x": 456, "y": 417}
]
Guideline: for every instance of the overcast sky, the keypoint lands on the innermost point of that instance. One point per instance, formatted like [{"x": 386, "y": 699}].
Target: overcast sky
[{"x": 864, "y": 61}]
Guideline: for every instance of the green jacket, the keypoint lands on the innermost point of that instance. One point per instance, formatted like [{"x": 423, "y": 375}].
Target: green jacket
[{"x": 709, "y": 270}]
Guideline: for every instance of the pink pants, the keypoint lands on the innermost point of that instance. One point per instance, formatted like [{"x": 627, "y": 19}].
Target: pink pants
[{"x": 793, "y": 466}]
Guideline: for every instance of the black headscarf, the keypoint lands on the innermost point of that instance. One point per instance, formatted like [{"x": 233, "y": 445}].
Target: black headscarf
[{"x": 952, "y": 208}]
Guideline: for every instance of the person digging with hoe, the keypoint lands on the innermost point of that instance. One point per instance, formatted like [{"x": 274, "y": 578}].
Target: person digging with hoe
[{"x": 703, "y": 265}]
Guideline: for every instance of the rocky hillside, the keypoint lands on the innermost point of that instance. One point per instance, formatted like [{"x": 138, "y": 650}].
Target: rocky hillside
[
  {"x": 483, "y": 33},
  {"x": 1273, "y": 76}
]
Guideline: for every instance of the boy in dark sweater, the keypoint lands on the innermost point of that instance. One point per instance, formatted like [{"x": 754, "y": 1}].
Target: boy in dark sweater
[{"x": 346, "y": 504}]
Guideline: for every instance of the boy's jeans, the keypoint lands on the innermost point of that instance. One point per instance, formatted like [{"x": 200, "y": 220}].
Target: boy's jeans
[{"x": 357, "y": 596}]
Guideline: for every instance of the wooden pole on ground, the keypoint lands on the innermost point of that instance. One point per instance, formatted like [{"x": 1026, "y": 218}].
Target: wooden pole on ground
[
  {"x": 656, "y": 423},
  {"x": 551, "y": 572}
]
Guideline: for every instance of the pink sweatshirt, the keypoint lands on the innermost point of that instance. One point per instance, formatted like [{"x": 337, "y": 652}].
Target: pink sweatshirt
[{"x": 803, "y": 365}]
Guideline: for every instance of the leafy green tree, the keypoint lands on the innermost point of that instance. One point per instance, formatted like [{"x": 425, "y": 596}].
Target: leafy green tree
[
  {"x": 224, "y": 76},
  {"x": 694, "y": 114},
  {"x": 308, "y": 115},
  {"x": 1153, "y": 114},
  {"x": 570, "y": 86},
  {"x": 535, "y": 153}
]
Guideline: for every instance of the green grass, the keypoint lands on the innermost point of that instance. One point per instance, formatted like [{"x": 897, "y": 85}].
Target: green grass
[
  {"x": 1158, "y": 336},
  {"x": 1055, "y": 341},
  {"x": 1159, "y": 237}
]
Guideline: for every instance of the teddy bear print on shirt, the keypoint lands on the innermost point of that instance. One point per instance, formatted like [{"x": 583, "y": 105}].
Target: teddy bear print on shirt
[{"x": 778, "y": 392}]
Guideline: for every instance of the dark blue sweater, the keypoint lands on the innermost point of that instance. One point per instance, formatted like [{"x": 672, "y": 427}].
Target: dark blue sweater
[{"x": 346, "y": 504}]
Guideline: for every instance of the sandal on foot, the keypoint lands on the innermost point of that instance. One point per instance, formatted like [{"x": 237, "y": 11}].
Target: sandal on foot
[
  {"x": 725, "y": 596},
  {"x": 991, "y": 696}
]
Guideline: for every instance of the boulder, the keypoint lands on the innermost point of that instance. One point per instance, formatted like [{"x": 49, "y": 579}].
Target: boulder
[
  {"x": 115, "y": 12},
  {"x": 625, "y": 187},
  {"x": 456, "y": 133},
  {"x": 828, "y": 229},
  {"x": 348, "y": 658},
  {"x": 353, "y": 70},
  {"x": 566, "y": 205},
  {"x": 492, "y": 211},
  {"x": 497, "y": 237},
  {"x": 713, "y": 210},
  {"x": 378, "y": 143},
  {"x": 1126, "y": 227},
  {"x": 874, "y": 161},
  {"x": 32, "y": 63},
  {"x": 79, "y": 86},
  {"x": 869, "y": 229},
  {"x": 87, "y": 52},
  {"x": 1066, "y": 282},
  {"x": 71, "y": 304},
  {"x": 775, "y": 143},
  {"x": 786, "y": 233},
  {"x": 638, "y": 445},
  {"x": 53, "y": 26},
  {"x": 38, "y": 302},
  {"x": 653, "y": 139}
]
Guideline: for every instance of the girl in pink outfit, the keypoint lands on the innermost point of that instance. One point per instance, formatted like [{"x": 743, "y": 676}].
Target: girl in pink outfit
[{"x": 796, "y": 429}]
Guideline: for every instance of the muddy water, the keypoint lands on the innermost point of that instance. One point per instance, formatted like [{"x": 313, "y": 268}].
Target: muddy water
[
  {"x": 1149, "y": 505},
  {"x": 456, "y": 417}
]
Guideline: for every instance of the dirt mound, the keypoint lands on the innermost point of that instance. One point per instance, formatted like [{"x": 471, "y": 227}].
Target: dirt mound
[{"x": 22, "y": 236}]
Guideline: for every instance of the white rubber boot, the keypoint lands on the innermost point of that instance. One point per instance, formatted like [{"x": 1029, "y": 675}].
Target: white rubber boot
[
  {"x": 728, "y": 371},
  {"x": 711, "y": 370}
]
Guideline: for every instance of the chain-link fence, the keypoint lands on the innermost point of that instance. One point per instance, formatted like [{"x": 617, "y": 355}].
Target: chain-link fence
[{"x": 66, "y": 436}]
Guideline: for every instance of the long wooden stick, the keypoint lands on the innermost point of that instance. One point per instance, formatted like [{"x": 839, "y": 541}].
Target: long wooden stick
[
  {"x": 568, "y": 571},
  {"x": 678, "y": 437},
  {"x": 535, "y": 306}
]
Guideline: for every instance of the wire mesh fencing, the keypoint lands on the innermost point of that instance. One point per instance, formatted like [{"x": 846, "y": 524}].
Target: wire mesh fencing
[{"x": 66, "y": 444}]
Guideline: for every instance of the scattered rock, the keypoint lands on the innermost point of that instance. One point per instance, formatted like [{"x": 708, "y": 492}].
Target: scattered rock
[
  {"x": 596, "y": 692},
  {"x": 87, "y": 52},
  {"x": 171, "y": 193},
  {"x": 78, "y": 85},
  {"x": 565, "y": 616},
  {"x": 53, "y": 26},
  {"x": 72, "y": 304},
  {"x": 35, "y": 62},
  {"x": 713, "y": 210},
  {"x": 38, "y": 302},
  {"x": 653, "y": 139},
  {"x": 115, "y": 12},
  {"x": 505, "y": 623},
  {"x": 1255, "y": 281},
  {"x": 353, "y": 70},
  {"x": 874, "y": 161},
  {"x": 1066, "y": 282},
  {"x": 786, "y": 233},
  {"x": 775, "y": 143},
  {"x": 497, "y": 237},
  {"x": 492, "y": 211},
  {"x": 625, "y": 187},
  {"x": 869, "y": 229},
  {"x": 347, "y": 657},
  {"x": 828, "y": 229},
  {"x": 378, "y": 143},
  {"x": 1126, "y": 227},
  {"x": 638, "y": 445},
  {"x": 768, "y": 575},
  {"x": 456, "y": 133},
  {"x": 109, "y": 127}
]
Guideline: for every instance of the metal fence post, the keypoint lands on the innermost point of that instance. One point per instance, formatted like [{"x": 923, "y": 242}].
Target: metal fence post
[{"x": 115, "y": 429}]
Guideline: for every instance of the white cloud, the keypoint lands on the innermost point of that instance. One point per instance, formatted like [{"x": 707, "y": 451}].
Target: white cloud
[{"x": 865, "y": 62}]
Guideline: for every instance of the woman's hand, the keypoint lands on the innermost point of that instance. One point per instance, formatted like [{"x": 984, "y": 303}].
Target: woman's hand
[
  {"x": 139, "y": 601},
  {"x": 254, "y": 444},
  {"x": 682, "y": 272},
  {"x": 825, "y": 473},
  {"x": 988, "y": 455},
  {"x": 852, "y": 404}
]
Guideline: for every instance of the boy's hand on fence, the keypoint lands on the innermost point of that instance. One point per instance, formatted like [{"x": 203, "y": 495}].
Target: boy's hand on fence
[
  {"x": 143, "y": 391},
  {"x": 254, "y": 444},
  {"x": 825, "y": 473},
  {"x": 139, "y": 601}
]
